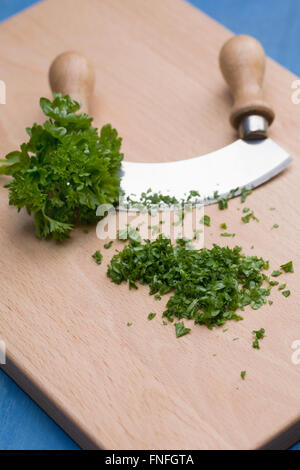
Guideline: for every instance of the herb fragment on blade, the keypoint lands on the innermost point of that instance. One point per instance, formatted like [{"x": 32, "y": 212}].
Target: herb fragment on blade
[
  {"x": 223, "y": 203},
  {"x": 245, "y": 192}
]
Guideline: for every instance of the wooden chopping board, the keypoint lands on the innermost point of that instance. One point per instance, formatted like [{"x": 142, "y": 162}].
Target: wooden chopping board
[{"x": 65, "y": 323}]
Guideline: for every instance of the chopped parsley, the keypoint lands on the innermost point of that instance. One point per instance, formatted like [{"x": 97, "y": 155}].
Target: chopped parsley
[
  {"x": 286, "y": 293},
  {"x": 197, "y": 233},
  {"x": 223, "y": 226},
  {"x": 276, "y": 273},
  {"x": 223, "y": 203},
  {"x": 97, "y": 257},
  {"x": 288, "y": 267},
  {"x": 243, "y": 374},
  {"x": 275, "y": 226},
  {"x": 246, "y": 219},
  {"x": 259, "y": 334},
  {"x": 205, "y": 220},
  {"x": 108, "y": 245},
  {"x": 129, "y": 233},
  {"x": 151, "y": 316},
  {"x": 226, "y": 234},
  {"x": 282, "y": 286},
  {"x": 245, "y": 193},
  {"x": 180, "y": 329},
  {"x": 208, "y": 286}
]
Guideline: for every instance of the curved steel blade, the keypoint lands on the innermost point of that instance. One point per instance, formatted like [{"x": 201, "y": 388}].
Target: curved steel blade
[{"x": 238, "y": 165}]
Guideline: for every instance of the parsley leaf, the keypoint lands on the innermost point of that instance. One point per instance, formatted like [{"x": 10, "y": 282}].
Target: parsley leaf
[
  {"x": 151, "y": 316},
  {"x": 181, "y": 330},
  {"x": 108, "y": 245},
  {"x": 205, "y": 220},
  {"x": 260, "y": 334},
  {"x": 288, "y": 267},
  {"x": 129, "y": 233},
  {"x": 276, "y": 273},
  {"x": 226, "y": 234}
]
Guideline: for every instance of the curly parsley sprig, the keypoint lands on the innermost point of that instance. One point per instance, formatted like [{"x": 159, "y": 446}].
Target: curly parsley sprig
[{"x": 65, "y": 170}]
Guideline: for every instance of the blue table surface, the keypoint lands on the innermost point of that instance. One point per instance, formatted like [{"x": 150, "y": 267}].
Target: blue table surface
[{"x": 23, "y": 425}]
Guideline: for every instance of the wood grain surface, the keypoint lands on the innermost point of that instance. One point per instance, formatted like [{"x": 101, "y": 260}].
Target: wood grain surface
[{"x": 65, "y": 323}]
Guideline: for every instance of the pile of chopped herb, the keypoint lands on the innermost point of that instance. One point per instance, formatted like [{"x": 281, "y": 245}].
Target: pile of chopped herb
[
  {"x": 208, "y": 286},
  {"x": 156, "y": 200},
  {"x": 65, "y": 170}
]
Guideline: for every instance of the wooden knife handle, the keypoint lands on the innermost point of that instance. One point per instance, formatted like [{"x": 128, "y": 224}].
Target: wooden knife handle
[
  {"x": 72, "y": 74},
  {"x": 242, "y": 62}
]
